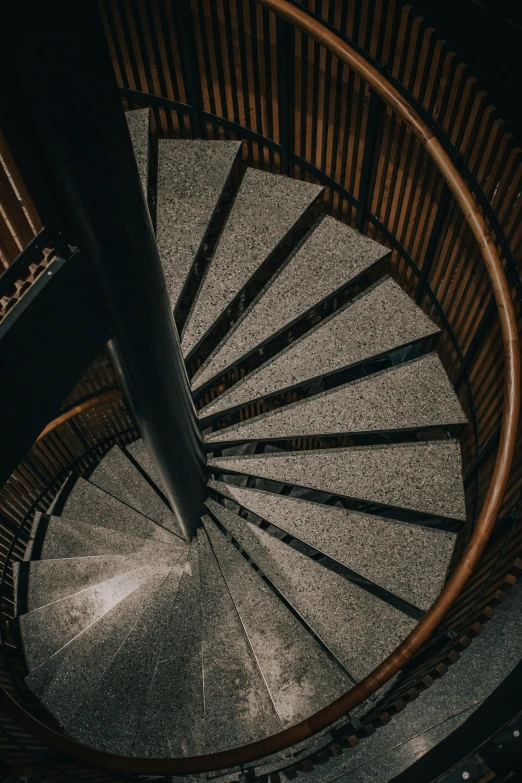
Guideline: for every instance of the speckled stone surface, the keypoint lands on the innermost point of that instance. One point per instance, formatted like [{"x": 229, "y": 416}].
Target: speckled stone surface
[
  {"x": 139, "y": 452},
  {"x": 109, "y": 717},
  {"x": 46, "y": 630},
  {"x": 117, "y": 475},
  {"x": 65, "y": 680},
  {"x": 173, "y": 716},
  {"x": 191, "y": 178},
  {"x": 408, "y": 560},
  {"x": 383, "y": 319},
  {"x": 359, "y": 628},
  {"x": 333, "y": 255},
  {"x": 298, "y": 673},
  {"x": 265, "y": 209},
  {"x": 70, "y": 538},
  {"x": 88, "y": 503},
  {"x": 51, "y": 580},
  {"x": 424, "y": 477},
  {"x": 138, "y": 123},
  {"x": 238, "y": 708},
  {"x": 416, "y": 394}
]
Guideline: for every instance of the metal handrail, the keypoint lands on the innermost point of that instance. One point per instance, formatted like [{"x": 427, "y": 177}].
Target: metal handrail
[{"x": 347, "y": 54}]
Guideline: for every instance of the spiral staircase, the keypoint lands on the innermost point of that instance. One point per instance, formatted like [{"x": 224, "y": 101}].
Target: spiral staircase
[
  {"x": 309, "y": 566},
  {"x": 286, "y": 503}
]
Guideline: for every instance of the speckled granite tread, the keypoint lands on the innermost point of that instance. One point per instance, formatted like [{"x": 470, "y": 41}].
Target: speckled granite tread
[
  {"x": 413, "y": 395},
  {"x": 410, "y": 561},
  {"x": 332, "y": 256},
  {"x": 238, "y": 707},
  {"x": 88, "y": 503},
  {"x": 109, "y": 717},
  {"x": 191, "y": 178},
  {"x": 138, "y": 124},
  {"x": 425, "y": 477},
  {"x": 120, "y": 478},
  {"x": 138, "y": 451},
  {"x": 382, "y": 320},
  {"x": 298, "y": 673},
  {"x": 65, "y": 679},
  {"x": 70, "y": 538},
  {"x": 359, "y": 628},
  {"x": 51, "y": 580},
  {"x": 266, "y": 207},
  {"x": 46, "y": 630},
  {"x": 172, "y": 722}
]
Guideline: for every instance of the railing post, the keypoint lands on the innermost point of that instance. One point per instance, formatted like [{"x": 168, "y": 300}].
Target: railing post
[
  {"x": 63, "y": 120},
  {"x": 285, "y": 59},
  {"x": 184, "y": 26},
  {"x": 376, "y": 108}
]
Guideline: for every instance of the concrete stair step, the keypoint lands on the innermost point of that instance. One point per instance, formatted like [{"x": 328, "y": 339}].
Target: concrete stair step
[
  {"x": 382, "y": 320},
  {"x": 172, "y": 723},
  {"x": 414, "y": 395},
  {"x": 192, "y": 175},
  {"x": 116, "y": 475},
  {"x": 299, "y": 675},
  {"x": 64, "y": 681},
  {"x": 333, "y": 256},
  {"x": 410, "y": 561},
  {"x": 109, "y": 717},
  {"x": 88, "y": 503},
  {"x": 358, "y": 628},
  {"x": 238, "y": 707},
  {"x": 266, "y": 208},
  {"x": 46, "y": 630},
  {"x": 425, "y": 477},
  {"x": 67, "y": 538}
]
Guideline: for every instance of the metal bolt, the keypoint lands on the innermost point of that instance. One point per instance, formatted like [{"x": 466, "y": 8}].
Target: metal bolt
[
  {"x": 49, "y": 273},
  {"x": 516, "y": 733},
  {"x": 466, "y": 775}
]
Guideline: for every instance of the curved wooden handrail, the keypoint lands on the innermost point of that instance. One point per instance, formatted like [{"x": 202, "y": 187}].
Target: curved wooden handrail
[
  {"x": 80, "y": 408},
  {"x": 488, "y": 516}
]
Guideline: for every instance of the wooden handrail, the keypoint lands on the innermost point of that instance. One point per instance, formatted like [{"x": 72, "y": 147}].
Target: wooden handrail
[
  {"x": 488, "y": 516},
  {"x": 80, "y": 408}
]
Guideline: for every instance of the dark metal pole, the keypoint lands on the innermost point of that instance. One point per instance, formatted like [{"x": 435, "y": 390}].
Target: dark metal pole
[{"x": 62, "y": 118}]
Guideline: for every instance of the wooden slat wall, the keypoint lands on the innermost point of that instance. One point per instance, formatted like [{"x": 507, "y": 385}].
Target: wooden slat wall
[{"x": 19, "y": 222}]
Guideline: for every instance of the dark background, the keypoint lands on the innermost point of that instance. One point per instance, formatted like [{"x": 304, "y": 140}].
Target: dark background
[{"x": 487, "y": 35}]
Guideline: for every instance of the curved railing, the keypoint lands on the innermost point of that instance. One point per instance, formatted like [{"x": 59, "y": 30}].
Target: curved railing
[{"x": 349, "y": 54}]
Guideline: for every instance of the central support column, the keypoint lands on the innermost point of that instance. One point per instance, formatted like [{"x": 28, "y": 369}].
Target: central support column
[{"x": 63, "y": 121}]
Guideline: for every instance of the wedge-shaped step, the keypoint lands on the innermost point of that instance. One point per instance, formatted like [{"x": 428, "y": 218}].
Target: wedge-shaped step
[
  {"x": 382, "y": 320},
  {"x": 173, "y": 717},
  {"x": 138, "y": 452},
  {"x": 69, "y": 538},
  {"x": 119, "y": 477},
  {"x": 138, "y": 124},
  {"x": 48, "y": 629},
  {"x": 266, "y": 208},
  {"x": 238, "y": 708},
  {"x": 410, "y": 561},
  {"x": 191, "y": 178},
  {"x": 109, "y": 717},
  {"x": 51, "y": 580},
  {"x": 424, "y": 477},
  {"x": 332, "y": 256},
  {"x": 414, "y": 395},
  {"x": 88, "y": 503},
  {"x": 64, "y": 681},
  {"x": 300, "y": 676},
  {"x": 359, "y": 628}
]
